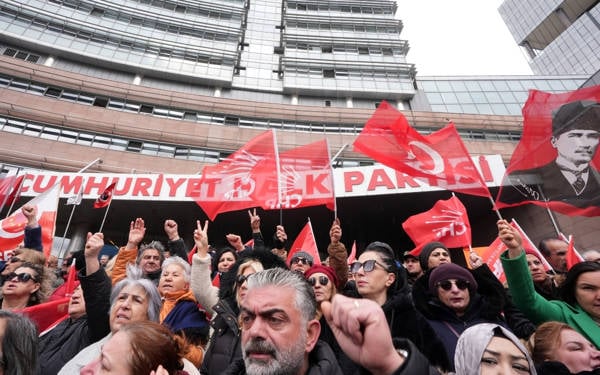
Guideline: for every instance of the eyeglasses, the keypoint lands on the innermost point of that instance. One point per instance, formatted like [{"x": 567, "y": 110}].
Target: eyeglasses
[
  {"x": 15, "y": 260},
  {"x": 447, "y": 284},
  {"x": 299, "y": 260},
  {"x": 242, "y": 279},
  {"x": 323, "y": 280},
  {"x": 21, "y": 277},
  {"x": 368, "y": 266}
]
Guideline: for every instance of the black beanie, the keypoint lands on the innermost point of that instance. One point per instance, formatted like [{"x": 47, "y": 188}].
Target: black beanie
[
  {"x": 451, "y": 271},
  {"x": 426, "y": 252}
]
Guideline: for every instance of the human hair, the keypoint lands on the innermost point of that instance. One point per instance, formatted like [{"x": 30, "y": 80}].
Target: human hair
[
  {"x": 181, "y": 263},
  {"x": 545, "y": 340},
  {"x": 543, "y": 245},
  {"x": 156, "y": 245},
  {"x": 134, "y": 278},
  {"x": 152, "y": 344},
  {"x": 19, "y": 345},
  {"x": 43, "y": 277},
  {"x": 31, "y": 256},
  {"x": 567, "y": 288},
  {"x": 388, "y": 257},
  {"x": 280, "y": 277}
]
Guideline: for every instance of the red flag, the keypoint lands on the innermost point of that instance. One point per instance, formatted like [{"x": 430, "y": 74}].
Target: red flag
[
  {"x": 104, "y": 199},
  {"x": 71, "y": 283},
  {"x": 236, "y": 183},
  {"x": 217, "y": 280},
  {"x": 305, "y": 242},
  {"x": 352, "y": 256},
  {"x": 438, "y": 159},
  {"x": 48, "y": 314},
  {"x": 573, "y": 256},
  {"x": 446, "y": 222},
  {"x": 556, "y": 163},
  {"x": 306, "y": 177},
  {"x": 10, "y": 189},
  {"x": 12, "y": 228}
]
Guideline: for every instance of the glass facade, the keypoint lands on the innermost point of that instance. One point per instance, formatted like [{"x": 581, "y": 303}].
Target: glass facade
[{"x": 561, "y": 37}]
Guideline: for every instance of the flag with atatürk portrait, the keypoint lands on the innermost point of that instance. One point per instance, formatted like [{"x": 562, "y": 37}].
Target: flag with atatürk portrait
[{"x": 556, "y": 163}]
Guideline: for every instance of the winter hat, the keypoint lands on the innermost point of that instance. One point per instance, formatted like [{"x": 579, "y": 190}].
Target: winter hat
[
  {"x": 426, "y": 252},
  {"x": 302, "y": 254},
  {"x": 328, "y": 271},
  {"x": 450, "y": 271}
]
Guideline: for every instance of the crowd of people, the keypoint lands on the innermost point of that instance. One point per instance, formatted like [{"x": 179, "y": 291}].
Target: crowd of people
[{"x": 155, "y": 309}]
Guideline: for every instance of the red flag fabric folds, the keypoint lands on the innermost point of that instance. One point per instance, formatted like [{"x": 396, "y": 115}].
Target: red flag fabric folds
[
  {"x": 104, "y": 199},
  {"x": 440, "y": 159},
  {"x": 305, "y": 242},
  {"x": 235, "y": 183},
  {"x": 446, "y": 222},
  {"x": 10, "y": 189},
  {"x": 48, "y": 314},
  {"x": 556, "y": 163},
  {"x": 12, "y": 228}
]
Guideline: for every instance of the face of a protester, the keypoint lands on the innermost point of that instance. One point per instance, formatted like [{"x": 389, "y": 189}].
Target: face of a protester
[
  {"x": 226, "y": 261},
  {"x": 577, "y": 146},
  {"x": 299, "y": 264},
  {"x": 131, "y": 305},
  {"x": 536, "y": 268},
  {"x": 587, "y": 293},
  {"x": 322, "y": 292},
  {"x": 274, "y": 336},
  {"x": 373, "y": 283},
  {"x": 241, "y": 287},
  {"x": 412, "y": 265},
  {"x": 558, "y": 254},
  {"x": 77, "y": 304},
  {"x": 437, "y": 257},
  {"x": 13, "y": 263},
  {"x": 456, "y": 299},
  {"x": 150, "y": 261},
  {"x": 13, "y": 287},
  {"x": 114, "y": 357},
  {"x": 575, "y": 352},
  {"x": 502, "y": 356},
  {"x": 172, "y": 279}
]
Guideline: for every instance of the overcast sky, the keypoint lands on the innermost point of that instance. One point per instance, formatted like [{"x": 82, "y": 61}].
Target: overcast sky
[{"x": 459, "y": 37}]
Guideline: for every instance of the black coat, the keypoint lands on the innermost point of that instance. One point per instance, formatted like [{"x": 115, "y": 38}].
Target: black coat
[
  {"x": 224, "y": 346},
  {"x": 70, "y": 336}
]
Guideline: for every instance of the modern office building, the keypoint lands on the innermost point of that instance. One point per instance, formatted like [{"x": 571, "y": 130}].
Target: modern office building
[
  {"x": 166, "y": 87},
  {"x": 559, "y": 36}
]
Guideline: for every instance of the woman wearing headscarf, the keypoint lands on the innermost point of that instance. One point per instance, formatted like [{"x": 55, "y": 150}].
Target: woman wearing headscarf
[{"x": 488, "y": 349}]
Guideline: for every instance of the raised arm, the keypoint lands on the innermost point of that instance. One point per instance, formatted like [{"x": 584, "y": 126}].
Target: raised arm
[
  {"x": 96, "y": 288},
  {"x": 338, "y": 255},
  {"x": 33, "y": 230},
  {"x": 128, "y": 253},
  {"x": 175, "y": 244},
  {"x": 206, "y": 294}
]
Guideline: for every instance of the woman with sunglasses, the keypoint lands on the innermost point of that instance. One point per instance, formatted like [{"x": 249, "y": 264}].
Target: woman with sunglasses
[
  {"x": 380, "y": 278},
  {"x": 26, "y": 286},
  {"x": 456, "y": 304}
]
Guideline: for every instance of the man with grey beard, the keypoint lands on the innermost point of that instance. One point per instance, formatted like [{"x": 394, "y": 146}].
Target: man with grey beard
[{"x": 280, "y": 332}]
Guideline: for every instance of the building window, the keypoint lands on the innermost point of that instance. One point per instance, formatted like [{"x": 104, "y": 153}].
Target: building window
[{"x": 328, "y": 73}]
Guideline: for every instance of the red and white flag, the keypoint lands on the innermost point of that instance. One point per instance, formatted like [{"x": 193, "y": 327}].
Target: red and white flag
[
  {"x": 305, "y": 241},
  {"x": 104, "y": 199},
  {"x": 439, "y": 159},
  {"x": 352, "y": 256},
  {"x": 10, "y": 189},
  {"x": 12, "y": 228},
  {"x": 446, "y": 222},
  {"x": 305, "y": 177},
  {"x": 556, "y": 164},
  {"x": 235, "y": 183},
  {"x": 573, "y": 256}
]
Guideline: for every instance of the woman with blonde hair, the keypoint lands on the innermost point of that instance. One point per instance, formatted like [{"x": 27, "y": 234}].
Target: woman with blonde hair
[{"x": 28, "y": 285}]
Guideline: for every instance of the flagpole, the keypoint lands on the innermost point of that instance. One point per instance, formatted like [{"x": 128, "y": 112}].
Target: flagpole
[
  {"x": 8, "y": 192},
  {"x": 278, "y": 166},
  {"x": 554, "y": 224},
  {"x": 12, "y": 204},
  {"x": 105, "y": 214},
  {"x": 332, "y": 160},
  {"x": 495, "y": 209}
]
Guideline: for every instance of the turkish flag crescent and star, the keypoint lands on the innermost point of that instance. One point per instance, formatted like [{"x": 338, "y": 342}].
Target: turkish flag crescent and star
[
  {"x": 446, "y": 222},
  {"x": 556, "y": 163},
  {"x": 438, "y": 159},
  {"x": 104, "y": 199}
]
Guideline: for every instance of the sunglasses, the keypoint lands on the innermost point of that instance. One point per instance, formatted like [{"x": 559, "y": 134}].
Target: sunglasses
[
  {"x": 15, "y": 260},
  {"x": 447, "y": 284},
  {"x": 368, "y": 266},
  {"x": 323, "y": 280},
  {"x": 300, "y": 260},
  {"x": 21, "y": 277},
  {"x": 242, "y": 279}
]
